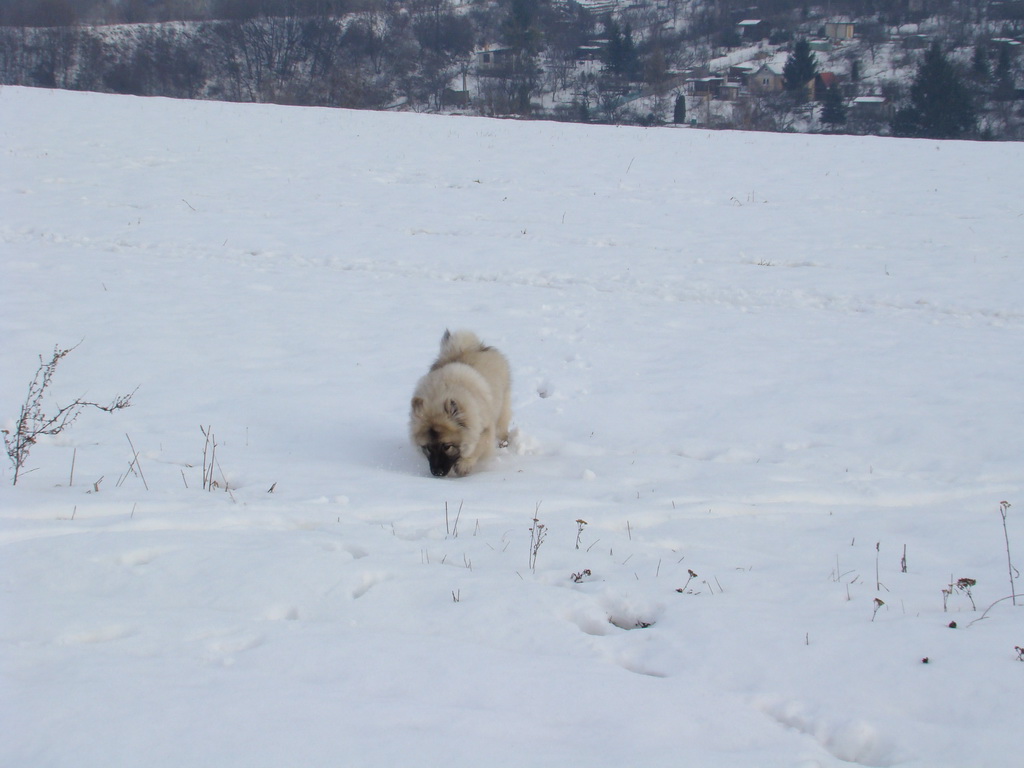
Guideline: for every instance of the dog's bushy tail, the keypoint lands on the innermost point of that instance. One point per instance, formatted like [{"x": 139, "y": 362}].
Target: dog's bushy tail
[{"x": 455, "y": 345}]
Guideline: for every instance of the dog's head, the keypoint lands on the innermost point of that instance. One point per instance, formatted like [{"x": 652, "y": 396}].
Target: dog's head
[{"x": 439, "y": 434}]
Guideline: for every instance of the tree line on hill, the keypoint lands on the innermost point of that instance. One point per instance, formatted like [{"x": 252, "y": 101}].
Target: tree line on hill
[
  {"x": 381, "y": 53},
  {"x": 939, "y": 107},
  {"x": 307, "y": 55}
]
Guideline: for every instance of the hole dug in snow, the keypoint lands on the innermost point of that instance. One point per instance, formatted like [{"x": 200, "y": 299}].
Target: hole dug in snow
[
  {"x": 625, "y": 613},
  {"x": 628, "y": 621},
  {"x": 597, "y": 616}
]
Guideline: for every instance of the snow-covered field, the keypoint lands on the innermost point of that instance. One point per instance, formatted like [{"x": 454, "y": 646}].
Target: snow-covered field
[{"x": 764, "y": 369}]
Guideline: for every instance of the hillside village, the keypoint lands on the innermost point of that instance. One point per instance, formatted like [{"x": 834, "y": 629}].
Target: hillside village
[
  {"x": 736, "y": 78},
  {"x": 648, "y": 62}
]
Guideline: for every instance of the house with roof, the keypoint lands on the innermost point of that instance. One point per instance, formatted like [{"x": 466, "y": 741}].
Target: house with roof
[
  {"x": 707, "y": 87},
  {"x": 740, "y": 73},
  {"x": 767, "y": 78},
  {"x": 916, "y": 42},
  {"x": 491, "y": 57},
  {"x": 840, "y": 30},
  {"x": 871, "y": 108},
  {"x": 751, "y": 30}
]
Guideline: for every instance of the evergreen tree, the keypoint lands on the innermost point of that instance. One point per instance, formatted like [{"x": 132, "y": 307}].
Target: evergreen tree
[
  {"x": 519, "y": 78},
  {"x": 979, "y": 63},
  {"x": 630, "y": 57},
  {"x": 621, "y": 56},
  {"x": 833, "y": 110},
  {"x": 940, "y": 105},
  {"x": 679, "y": 112},
  {"x": 520, "y": 30},
  {"x": 1003, "y": 62},
  {"x": 1005, "y": 89},
  {"x": 800, "y": 68}
]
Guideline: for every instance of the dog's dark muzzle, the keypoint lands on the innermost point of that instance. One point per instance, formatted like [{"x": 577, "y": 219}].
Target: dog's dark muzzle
[{"x": 440, "y": 462}]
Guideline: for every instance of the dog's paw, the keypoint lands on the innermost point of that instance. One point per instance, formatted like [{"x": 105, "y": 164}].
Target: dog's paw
[
  {"x": 510, "y": 439},
  {"x": 522, "y": 445}
]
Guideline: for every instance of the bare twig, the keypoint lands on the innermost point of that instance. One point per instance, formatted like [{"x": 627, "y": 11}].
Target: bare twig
[
  {"x": 692, "y": 577},
  {"x": 984, "y": 615},
  {"x": 538, "y": 532},
  {"x": 138, "y": 464},
  {"x": 34, "y": 423},
  {"x": 227, "y": 485},
  {"x": 455, "y": 527},
  {"x": 878, "y": 604},
  {"x": 580, "y": 523},
  {"x": 578, "y": 577},
  {"x": 133, "y": 466},
  {"x": 1003, "y": 507},
  {"x": 209, "y": 457},
  {"x": 879, "y": 586},
  {"x": 963, "y": 585}
]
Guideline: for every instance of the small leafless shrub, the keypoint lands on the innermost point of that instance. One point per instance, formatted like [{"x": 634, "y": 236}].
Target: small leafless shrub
[
  {"x": 580, "y": 576},
  {"x": 33, "y": 422},
  {"x": 692, "y": 575},
  {"x": 580, "y": 524},
  {"x": 538, "y": 532},
  {"x": 964, "y": 587},
  {"x": 878, "y": 605}
]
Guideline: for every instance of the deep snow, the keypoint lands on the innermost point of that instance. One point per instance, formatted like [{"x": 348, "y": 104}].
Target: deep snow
[{"x": 773, "y": 360}]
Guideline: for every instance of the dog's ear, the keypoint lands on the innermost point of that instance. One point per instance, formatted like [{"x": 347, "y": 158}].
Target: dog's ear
[
  {"x": 452, "y": 409},
  {"x": 417, "y": 405}
]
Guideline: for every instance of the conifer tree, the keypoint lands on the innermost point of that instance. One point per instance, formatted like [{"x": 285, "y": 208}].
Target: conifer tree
[
  {"x": 833, "y": 110},
  {"x": 940, "y": 105},
  {"x": 979, "y": 63},
  {"x": 679, "y": 112},
  {"x": 800, "y": 68},
  {"x": 621, "y": 55},
  {"x": 520, "y": 29},
  {"x": 520, "y": 76},
  {"x": 1005, "y": 89}
]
